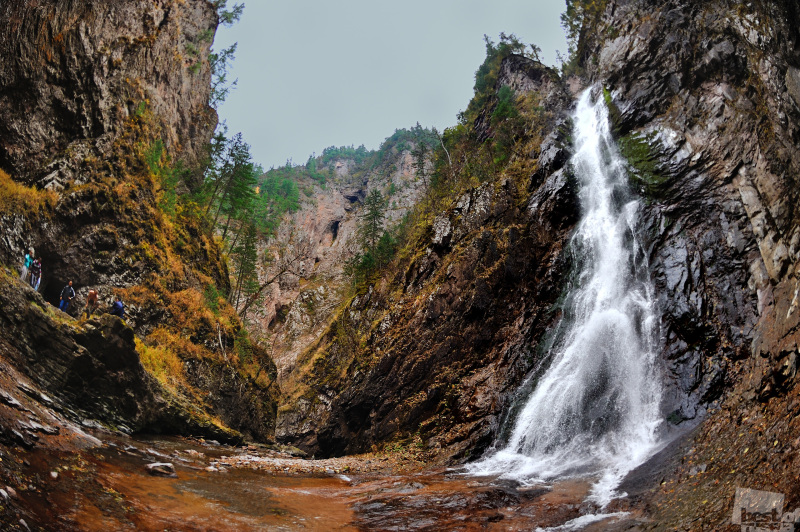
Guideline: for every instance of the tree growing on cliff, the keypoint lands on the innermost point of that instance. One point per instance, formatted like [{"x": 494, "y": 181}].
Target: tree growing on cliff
[
  {"x": 486, "y": 75},
  {"x": 506, "y": 124},
  {"x": 311, "y": 168},
  {"x": 245, "y": 258},
  {"x": 420, "y": 155},
  {"x": 578, "y": 15},
  {"x": 220, "y": 87},
  {"x": 372, "y": 219},
  {"x": 377, "y": 244},
  {"x": 286, "y": 259},
  {"x": 279, "y": 194},
  {"x": 220, "y": 61},
  {"x": 227, "y": 16},
  {"x": 242, "y": 198},
  {"x": 230, "y": 182}
]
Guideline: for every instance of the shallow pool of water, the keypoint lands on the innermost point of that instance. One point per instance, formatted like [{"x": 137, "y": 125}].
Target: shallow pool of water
[{"x": 226, "y": 488}]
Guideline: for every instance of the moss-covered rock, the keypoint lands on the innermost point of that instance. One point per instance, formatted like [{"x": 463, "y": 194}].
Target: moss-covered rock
[
  {"x": 84, "y": 192},
  {"x": 435, "y": 347}
]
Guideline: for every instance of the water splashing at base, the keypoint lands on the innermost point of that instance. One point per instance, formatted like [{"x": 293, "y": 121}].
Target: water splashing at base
[{"x": 595, "y": 410}]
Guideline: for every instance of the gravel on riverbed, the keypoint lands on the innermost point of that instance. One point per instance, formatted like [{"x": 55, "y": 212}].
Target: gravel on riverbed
[{"x": 280, "y": 463}]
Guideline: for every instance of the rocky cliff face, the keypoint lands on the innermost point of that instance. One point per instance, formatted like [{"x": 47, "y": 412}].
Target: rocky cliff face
[
  {"x": 73, "y": 74},
  {"x": 720, "y": 120},
  {"x": 322, "y": 236},
  {"x": 705, "y": 103},
  {"x": 709, "y": 95},
  {"x": 90, "y": 374},
  {"x": 94, "y": 98},
  {"x": 84, "y": 89},
  {"x": 435, "y": 351}
]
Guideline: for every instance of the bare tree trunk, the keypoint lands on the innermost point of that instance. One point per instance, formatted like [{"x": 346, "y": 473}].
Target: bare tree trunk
[
  {"x": 221, "y": 203},
  {"x": 286, "y": 267},
  {"x": 449, "y": 160},
  {"x": 236, "y": 238},
  {"x": 221, "y": 345},
  {"x": 237, "y": 291},
  {"x": 255, "y": 295}
]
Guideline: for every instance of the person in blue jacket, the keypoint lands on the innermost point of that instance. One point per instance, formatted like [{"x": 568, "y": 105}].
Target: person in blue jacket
[
  {"x": 26, "y": 264},
  {"x": 118, "y": 308}
]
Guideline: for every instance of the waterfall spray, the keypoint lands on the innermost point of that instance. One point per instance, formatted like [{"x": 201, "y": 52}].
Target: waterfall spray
[{"x": 595, "y": 410}]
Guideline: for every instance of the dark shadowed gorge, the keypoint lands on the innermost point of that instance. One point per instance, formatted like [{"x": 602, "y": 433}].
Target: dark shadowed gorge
[{"x": 392, "y": 309}]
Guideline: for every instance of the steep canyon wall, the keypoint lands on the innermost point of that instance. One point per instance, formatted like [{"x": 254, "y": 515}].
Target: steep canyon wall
[
  {"x": 95, "y": 98},
  {"x": 434, "y": 351},
  {"x": 706, "y": 98},
  {"x": 705, "y": 105}
]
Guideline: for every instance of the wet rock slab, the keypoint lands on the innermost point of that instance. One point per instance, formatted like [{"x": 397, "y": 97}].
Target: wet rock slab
[{"x": 161, "y": 469}]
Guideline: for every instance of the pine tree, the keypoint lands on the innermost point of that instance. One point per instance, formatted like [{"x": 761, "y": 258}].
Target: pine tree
[
  {"x": 420, "y": 155},
  {"x": 372, "y": 221},
  {"x": 245, "y": 257},
  {"x": 231, "y": 179}
]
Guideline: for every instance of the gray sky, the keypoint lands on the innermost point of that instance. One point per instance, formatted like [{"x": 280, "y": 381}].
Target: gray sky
[{"x": 318, "y": 73}]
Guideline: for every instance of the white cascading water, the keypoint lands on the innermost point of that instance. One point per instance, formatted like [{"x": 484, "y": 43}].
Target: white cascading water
[{"x": 595, "y": 410}]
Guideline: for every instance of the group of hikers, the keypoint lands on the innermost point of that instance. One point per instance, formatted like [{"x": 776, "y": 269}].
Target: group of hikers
[
  {"x": 92, "y": 302},
  {"x": 32, "y": 270},
  {"x": 32, "y": 274}
]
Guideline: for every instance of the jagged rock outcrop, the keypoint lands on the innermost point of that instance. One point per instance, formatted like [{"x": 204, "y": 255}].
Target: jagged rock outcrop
[
  {"x": 96, "y": 99},
  {"x": 437, "y": 349},
  {"x": 91, "y": 372},
  {"x": 707, "y": 93},
  {"x": 523, "y": 76},
  {"x": 704, "y": 99},
  {"x": 321, "y": 237},
  {"x": 74, "y": 74}
]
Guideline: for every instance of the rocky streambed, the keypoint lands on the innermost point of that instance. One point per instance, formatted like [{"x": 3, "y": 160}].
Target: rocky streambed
[{"x": 160, "y": 483}]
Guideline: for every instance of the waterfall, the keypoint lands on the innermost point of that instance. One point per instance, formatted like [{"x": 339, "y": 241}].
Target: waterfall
[{"x": 594, "y": 411}]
